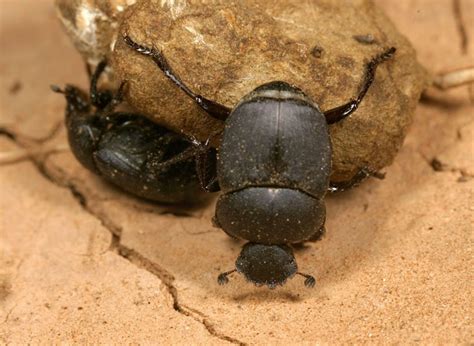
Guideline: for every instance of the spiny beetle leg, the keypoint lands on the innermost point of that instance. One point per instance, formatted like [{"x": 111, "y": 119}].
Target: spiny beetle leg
[
  {"x": 339, "y": 113},
  {"x": 206, "y": 165},
  {"x": 214, "y": 109}
]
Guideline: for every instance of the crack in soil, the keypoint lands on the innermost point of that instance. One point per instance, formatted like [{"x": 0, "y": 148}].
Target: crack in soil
[
  {"x": 29, "y": 147},
  {"x": 167, "y": 278},
  {"x": 115, "y": 245}
]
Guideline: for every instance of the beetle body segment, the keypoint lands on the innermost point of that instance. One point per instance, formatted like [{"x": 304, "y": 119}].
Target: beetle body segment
[
  {"x": 129, "y": 155},
  {"x": 130, "y": 151},
  {"x": 83, "y": 137},
  {"x": 83, "y": 132},
  {"x": 274, "y": 167},
  {"x": 270, "y": 215},
  {"x": 275, "y": 137}
]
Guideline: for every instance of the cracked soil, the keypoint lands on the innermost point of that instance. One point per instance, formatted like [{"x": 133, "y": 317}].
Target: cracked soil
[{"x": 83, "y": 262}]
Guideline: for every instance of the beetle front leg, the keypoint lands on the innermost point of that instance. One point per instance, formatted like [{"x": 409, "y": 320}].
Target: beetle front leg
[
  {"x": 339, "y": 113},
  {"x": 115, "y": 100},
  {"x": 99, "y": 99},
  {"x": 105, "y": 101},
  {"x": 206, "y": 165},
  {"x": 214, "y": 109}
]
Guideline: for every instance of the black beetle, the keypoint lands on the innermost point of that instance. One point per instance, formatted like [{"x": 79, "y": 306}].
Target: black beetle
[
  {"x": 127, "y": 149},
  {"x": 273, "y": 168}
]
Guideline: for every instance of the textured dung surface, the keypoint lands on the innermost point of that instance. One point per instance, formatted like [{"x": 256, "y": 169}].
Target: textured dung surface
[
  {"x": 224, "y": 49},
  {"x": 394, "y": 267}
]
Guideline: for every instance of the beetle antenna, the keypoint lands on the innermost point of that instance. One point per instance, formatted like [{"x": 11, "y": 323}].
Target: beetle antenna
[
  {"x": 222, "y": 279},
  {"x": 310, "y": 281}
]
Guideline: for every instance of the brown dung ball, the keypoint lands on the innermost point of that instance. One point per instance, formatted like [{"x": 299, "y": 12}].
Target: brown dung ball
[{"x": 223, "y": 50}]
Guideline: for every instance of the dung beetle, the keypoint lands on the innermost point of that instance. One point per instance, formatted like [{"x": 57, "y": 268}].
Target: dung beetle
[
  {"x": 273, "y": 169},
  {"x": 127, "y": 149}
]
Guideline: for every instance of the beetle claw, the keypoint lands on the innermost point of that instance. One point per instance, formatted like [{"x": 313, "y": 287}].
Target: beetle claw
[
  {"x": 222, "y": 279},
  {"x": 310, "y": 282}
]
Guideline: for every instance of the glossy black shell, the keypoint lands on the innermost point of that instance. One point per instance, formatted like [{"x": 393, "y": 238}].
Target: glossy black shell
[
  {"x": 127, "y": 150},
  {"x": 275, "y": 140},
  {"x": 274, "y": 166},
  {"x": 270, "y": 215}
]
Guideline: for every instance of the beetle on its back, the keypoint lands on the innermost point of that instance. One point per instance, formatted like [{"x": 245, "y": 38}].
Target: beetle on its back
[
  {"x": 273, "y": 169},
  {"x": 126, "y": 148}
]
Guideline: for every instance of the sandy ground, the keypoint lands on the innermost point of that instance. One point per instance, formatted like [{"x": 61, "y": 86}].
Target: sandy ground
[{"x": 82, "y": 262}]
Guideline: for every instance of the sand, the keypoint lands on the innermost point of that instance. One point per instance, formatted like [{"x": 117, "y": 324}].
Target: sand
[{"x": 82, "y": 262}]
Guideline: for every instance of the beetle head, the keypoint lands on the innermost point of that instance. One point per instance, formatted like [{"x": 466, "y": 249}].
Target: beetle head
[{"x": 269, "y": 265}]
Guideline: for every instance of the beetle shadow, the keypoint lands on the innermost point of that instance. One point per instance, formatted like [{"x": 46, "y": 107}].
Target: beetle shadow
[
  {"x": 270, "y": 296},
  {"x": 181, "y": 209},
  {"x": 301, "y": 248}
]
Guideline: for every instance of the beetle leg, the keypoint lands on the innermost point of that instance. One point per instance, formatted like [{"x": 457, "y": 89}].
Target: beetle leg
[
  {"x": 214, "y": 109},
  {"x": 100, "y": 99},
  {"x": 104, "y": 100},
  {"x": 358, "y": 178},
  {"x": 309, "y": 281},
  {"x": 206, "y": 161},
  {"x": 339, "y": 113},
  {"x": 118, "y": 118},
  {"x": 182, "y": 156},
  {"x": 206, "y": 170},
  {"x": 115, "y": 100}
]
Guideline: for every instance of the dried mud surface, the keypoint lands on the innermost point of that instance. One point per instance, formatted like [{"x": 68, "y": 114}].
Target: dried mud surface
[{"x": 80, "y": 261}]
